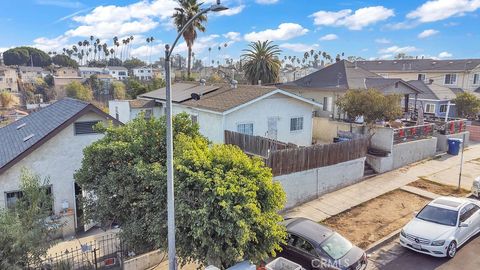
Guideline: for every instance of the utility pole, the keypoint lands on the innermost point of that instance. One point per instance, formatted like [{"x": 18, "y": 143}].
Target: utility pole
[{"x": 461, "y": 163}]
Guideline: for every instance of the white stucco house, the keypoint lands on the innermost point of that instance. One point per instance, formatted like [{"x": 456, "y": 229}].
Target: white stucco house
[
  {"x": 126, "y": 110},
  {"x": 50, "y": 143},
  {"x": 255, "y": 110},
  {"x": 143, "y": 73},
  {"x": 118, "y": 73}
]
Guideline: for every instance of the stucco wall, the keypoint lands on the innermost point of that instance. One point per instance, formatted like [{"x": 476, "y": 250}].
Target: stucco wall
[
  {"x": 382, "y": 138},
  {"x": 410, "y": 152},
  {"x": 325, "y": 129},
  {"x": 442, "y": 140},
  {"x": 123, "y": 109},
  {"x": 304, "y": 186},
  {"x": 57, "y": 159},
  {"x": 283, "y": 108},
  {"x": 211, "y": 125}
]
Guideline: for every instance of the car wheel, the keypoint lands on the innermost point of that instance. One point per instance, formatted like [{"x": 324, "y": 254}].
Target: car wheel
[{"x": 452, "y": 249}]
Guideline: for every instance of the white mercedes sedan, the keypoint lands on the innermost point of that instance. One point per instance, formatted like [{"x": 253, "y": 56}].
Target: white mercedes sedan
[{"x": 442, "y": 226}]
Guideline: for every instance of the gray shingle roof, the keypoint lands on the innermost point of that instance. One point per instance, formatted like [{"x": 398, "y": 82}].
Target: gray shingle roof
[
  {"x": 426, "y": 92},
  {"x": 407, "y": 65},
  {"x": 181, "y": 91},
  {"x": 39, "y": 124}
]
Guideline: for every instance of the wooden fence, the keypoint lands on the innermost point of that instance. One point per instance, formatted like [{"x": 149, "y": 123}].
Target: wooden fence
[
  {"x": 255, "y": 145},
  {"x": 315, "y": 156}
]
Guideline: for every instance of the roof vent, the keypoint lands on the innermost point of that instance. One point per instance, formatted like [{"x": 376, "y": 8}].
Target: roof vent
[
  {"x": 451, "y": 62},
  {"x": 21, "y": 126},
  {"x": 202, "y": 82},
  {"x": 433, "y": 63},
  {"x": 395, "y": 62},
  {"x": 28, "y": 137}
]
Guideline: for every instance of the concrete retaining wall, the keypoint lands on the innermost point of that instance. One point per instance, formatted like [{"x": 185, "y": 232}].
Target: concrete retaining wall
[
  {"x": 324, "y": 129},
  {"x": 307, "y": 185},
  {"x": 382, "y": 138},
  {"x": 404, "y": 154},
  {"x": 442, "y": 140},
  {"x": 410, "y": 152},
  {"x": 145, "y": 261},
  {"x": 474, "y": 133}
]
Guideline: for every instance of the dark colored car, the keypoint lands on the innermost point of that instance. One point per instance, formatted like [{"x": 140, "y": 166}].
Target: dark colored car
[{"x": 315, "y": 246}]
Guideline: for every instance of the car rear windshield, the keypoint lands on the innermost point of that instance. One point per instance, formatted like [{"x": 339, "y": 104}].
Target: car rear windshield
[
  {"x": 438, "y": 215},
  {"x": 336, "y": 246}
]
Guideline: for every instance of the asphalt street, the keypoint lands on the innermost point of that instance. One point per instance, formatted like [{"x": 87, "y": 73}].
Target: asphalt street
[{"x": 392, "y": 256}]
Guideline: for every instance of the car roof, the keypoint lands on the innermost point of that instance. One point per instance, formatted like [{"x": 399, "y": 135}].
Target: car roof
[
  {"x": 451, "y": 203},
  {"x": 308, "y": 229}
]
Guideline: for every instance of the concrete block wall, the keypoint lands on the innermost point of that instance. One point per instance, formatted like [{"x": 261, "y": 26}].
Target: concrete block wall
[
  {"x": 474, "y": 133},
  {"x": 442, "y": 144},
  {"x": 145, "y": 261},
  {"x": 304, "y": 186},
  {"x": 410, "y": 152}
]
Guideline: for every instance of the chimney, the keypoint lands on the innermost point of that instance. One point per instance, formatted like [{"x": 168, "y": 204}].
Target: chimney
[
  {"x": 259, "y": 82},
  {"x": 430, "y": 81}
]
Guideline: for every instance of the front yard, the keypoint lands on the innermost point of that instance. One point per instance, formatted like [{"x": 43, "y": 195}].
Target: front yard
[
  {"x": 369, "y": 222},
  {"x": 437, "y": 188}
]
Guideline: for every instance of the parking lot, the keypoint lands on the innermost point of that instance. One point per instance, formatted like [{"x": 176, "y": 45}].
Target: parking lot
[{"x": 394, "y": 257}]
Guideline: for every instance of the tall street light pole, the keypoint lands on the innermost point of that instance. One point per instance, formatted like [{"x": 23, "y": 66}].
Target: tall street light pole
[{"x": 172, "y": 262}]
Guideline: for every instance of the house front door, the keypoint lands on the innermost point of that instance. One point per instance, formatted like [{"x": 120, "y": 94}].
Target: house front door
[{"x": 272, "y": 128}]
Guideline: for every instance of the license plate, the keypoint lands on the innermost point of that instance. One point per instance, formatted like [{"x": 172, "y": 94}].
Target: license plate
[{"x": 416, "y": 246}]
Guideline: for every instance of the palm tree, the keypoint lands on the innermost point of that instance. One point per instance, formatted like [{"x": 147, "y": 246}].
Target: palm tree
[
  {"x": 186, "y": 10},
  {"x": 262, "y": 63}
]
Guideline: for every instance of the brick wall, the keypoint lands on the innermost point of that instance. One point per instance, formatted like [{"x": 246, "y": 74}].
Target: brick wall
[{"x": 474, "y": 133}]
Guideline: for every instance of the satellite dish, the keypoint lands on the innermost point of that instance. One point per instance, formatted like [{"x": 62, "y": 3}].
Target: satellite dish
[{"x": 195, "y": 96}]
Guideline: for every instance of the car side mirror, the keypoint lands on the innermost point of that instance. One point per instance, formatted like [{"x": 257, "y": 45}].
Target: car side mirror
[{"x": 463, "y": 225}]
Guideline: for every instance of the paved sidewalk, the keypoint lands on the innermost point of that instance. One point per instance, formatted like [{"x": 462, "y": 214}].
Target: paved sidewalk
[{"x": 444, "y": 170}]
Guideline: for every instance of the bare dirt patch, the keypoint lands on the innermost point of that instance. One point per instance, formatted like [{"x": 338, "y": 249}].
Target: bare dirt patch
[
  {"x": 437, "y": 188},
  {"x": 369, "y": 222}
]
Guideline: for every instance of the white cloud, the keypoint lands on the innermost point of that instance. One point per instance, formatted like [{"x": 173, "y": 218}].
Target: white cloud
[
  {"x": 353, "y": 20},
  {"x": 298, "y": 47},
  {"x": 428, "y": 33},
  {"x": 51, "y": 44},
  {"x": 266, "y": 2},
  {"x": 329, "y": 37},
  {"x": 231, "y": 11},
  {"x": 436, "y": 10},
  {"x": 445, "y": 55},
  {"x": 382, "y": 41},
  {"x": 233, "y": 36},
  {"x": 385, "y": 56},
  {"x": 60, "y": 3},
  {"x": 285, "y": 31},
  {"x": 397, "y": 49}
]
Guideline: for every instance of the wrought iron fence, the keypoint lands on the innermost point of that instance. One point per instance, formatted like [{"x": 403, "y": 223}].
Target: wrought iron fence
[
  {"x": 105, "y": 252},
  {"x": 406, "y": 134}
]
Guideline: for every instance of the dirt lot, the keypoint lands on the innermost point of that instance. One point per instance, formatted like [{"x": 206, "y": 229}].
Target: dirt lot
[
  {"x": 440, "y": 189},
  {"x": 371, "y": 221}
]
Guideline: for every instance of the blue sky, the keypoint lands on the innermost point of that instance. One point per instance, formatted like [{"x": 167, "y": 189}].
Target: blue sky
[{"x": 371, "y": 29}]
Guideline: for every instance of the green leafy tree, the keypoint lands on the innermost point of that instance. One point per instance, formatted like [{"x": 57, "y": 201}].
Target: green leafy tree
[
  {"x": 118, "y": 90},
  {"x": 77, "y": 90},
  {"x": 261, "y": 62},
  {"x": 155, "y": 83},
  {"x": 135, "y": 87},
  {"x": 133, "y": 63},
  {"x": 371, "y": 104},
  {"x": 64, "y": 61},
  {"x": 187, "y": 10},
  {"x": 25, "y": 233},
  {"x": 25, "y": 56},
  {"x": 467, "y": 104},
  {"x": 226, "y": 202},
  {"x": 114, "y": 62}
]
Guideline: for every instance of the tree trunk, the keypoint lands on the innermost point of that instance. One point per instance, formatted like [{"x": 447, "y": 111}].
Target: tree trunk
[{"x": 189, "y": 64}]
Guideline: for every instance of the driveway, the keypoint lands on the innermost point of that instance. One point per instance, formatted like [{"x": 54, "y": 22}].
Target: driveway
[{"x": 395, "y": 257}]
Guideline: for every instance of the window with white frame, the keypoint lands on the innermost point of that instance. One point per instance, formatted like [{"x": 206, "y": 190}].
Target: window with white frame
[
  {"x": 476, "y": 79},
  {"x": 246, "y": 128},
  {"x": 450, "y": 79},
  {"x": 296, "y": 124},
  {"x": 429, "y": 108},
  {"x": 443, "y": 108},
  {"x": 421, "y": 77}
]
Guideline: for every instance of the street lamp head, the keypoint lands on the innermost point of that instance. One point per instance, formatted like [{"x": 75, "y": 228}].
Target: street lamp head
[{"x": 218, "y": 7}]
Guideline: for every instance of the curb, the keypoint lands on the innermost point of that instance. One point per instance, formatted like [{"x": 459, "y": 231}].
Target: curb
[{"x": 387, "y": 239}]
